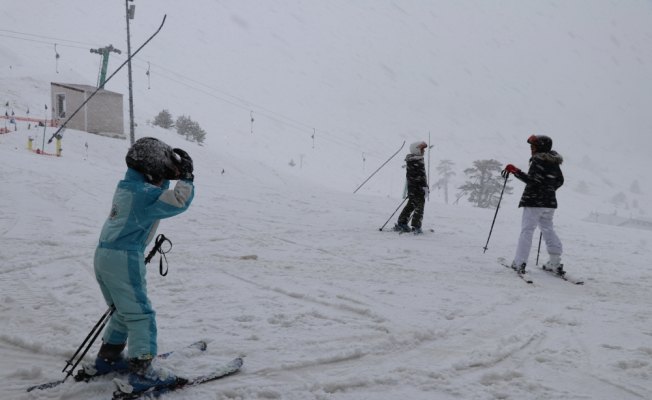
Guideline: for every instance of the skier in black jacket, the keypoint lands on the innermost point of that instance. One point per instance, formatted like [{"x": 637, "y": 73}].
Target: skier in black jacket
[
  {"x": 539, "y": 202},
  {"x": 417, "y": 187}
]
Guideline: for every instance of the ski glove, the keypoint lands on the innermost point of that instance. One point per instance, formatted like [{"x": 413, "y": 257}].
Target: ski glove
[
  {"x": 185, "y": 165},
  {"x": 512, "y": 169},
  {"x": 509, "y": 169}
]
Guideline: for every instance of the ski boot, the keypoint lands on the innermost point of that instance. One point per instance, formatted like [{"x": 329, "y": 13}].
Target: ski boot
[
  {"x": 518, "y": 268},
  {"x": 417, "y": 231},
  {"x": 558, "y": 269},
  {"x": 109, "y": 359},
  {"x": 143, "y": 375},
  {"x": 555, "y": 265},
  {"x": 401, "y": 228}
]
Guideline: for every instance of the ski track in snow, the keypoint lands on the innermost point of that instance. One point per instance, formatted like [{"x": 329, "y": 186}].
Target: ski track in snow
[{"x": 330, "y": 308}]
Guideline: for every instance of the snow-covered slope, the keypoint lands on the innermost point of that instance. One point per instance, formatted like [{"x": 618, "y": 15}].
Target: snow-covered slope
[{"x": 330, "y": 307}]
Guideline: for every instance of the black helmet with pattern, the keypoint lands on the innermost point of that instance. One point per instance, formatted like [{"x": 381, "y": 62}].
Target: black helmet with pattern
[
  {"x": 154, "y": 159},
  {"x": 543, "y": 143}
]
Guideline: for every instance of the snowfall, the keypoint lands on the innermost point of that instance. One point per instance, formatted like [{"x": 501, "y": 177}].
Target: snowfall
[{"x": 277, "y": 260}]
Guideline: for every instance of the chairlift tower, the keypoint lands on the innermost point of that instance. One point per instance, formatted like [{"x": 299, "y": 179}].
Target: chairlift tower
[{"x": 104, "y": 52}]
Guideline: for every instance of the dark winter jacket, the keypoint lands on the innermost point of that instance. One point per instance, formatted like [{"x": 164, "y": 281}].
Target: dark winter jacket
[
  {"x": 415, "y": 173},
  {"x": 542, "y": 180}
]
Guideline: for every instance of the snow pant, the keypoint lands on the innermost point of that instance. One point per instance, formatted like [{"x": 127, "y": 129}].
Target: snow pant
[
  {"x": 121, "y": 276},
  {"x": 533, "y": 217},
  {"x": 414, "y": 208}
]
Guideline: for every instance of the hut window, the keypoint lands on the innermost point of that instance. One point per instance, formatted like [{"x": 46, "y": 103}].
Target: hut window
[{"x": 61, "y": 105}]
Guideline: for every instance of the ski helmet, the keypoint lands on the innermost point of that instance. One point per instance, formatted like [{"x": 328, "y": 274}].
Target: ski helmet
[
  {"x": 543, "y": 143},
  {"x": 416, "y": 147},
  {"x": 154, "y": 159}
]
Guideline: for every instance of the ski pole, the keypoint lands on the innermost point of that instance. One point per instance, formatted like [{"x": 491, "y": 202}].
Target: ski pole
[
  {"x": 370, "y": 176},
  {"x": 63, "y": 125},
  {"x": 496, "y": 214},
  {"x": 428, "y": 176},
  {"x": 96, "y": 330},
  {"x": 539, "y": 248},
  {"x": 390, "y": 217}
]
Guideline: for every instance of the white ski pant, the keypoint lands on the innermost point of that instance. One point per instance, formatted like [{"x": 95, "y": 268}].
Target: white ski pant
[{"x": 533, "y": 217}]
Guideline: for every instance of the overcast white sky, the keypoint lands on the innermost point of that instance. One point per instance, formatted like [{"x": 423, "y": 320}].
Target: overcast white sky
[{"x": 365, "y": 74}]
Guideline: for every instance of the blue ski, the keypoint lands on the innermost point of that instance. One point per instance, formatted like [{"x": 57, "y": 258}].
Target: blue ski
[
  {"x": 82, "y": 376},
  {"x": 125, "y": 391}
]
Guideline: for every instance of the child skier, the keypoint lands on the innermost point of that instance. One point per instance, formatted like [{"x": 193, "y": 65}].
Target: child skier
[
  {"x": 141, "y": 199},
  {"x": 417, "y": 187},
  {"x": 539, "y": 202}
]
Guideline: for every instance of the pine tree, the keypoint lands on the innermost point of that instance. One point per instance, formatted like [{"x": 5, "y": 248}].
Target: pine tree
[
  {"x": 199, "y": 134},
  {"x": 183, "y": 125},
  {"x": 619, "y": 199},
  {"x": 485, "y": 184},
  {"x": 164, "y": 120},
  {"x": 190, "y": 129}
]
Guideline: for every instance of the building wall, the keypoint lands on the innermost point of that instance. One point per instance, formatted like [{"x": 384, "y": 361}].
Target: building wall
[
  {"x": 103, "y": 114},
  {"x": 74, "y": 98}
]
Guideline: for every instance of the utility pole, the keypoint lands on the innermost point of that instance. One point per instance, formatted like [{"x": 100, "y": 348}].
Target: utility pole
[
  {"x": 45, "y": 124},
  {"x": 428, "y": 176},
  {"x": 130, "y": 11}
]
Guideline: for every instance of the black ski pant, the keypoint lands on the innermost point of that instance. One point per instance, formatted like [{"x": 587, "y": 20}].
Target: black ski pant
[{"x": 414, "y": 208}]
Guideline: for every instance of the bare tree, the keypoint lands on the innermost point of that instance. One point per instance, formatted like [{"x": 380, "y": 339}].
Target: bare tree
[{"x": 445, "y": 169}]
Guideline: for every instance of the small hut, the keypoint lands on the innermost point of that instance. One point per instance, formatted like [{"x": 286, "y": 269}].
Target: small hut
[{"x": 103, "y": 114}]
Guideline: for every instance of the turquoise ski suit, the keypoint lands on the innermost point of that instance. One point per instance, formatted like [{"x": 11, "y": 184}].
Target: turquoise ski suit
[{"x": 119, "y": 258}]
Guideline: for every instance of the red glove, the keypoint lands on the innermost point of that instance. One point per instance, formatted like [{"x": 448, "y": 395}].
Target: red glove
[{"x": 512, "y": 169}]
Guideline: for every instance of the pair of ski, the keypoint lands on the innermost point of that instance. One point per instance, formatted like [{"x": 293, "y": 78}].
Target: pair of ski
[
  {"x": 547, "y": 270},
  {"x": 124, "y": 391},
  {"x": 402, "y": 232},
  {"x": 415, "y": 233},
  {"x": 83, "y": 376}
]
